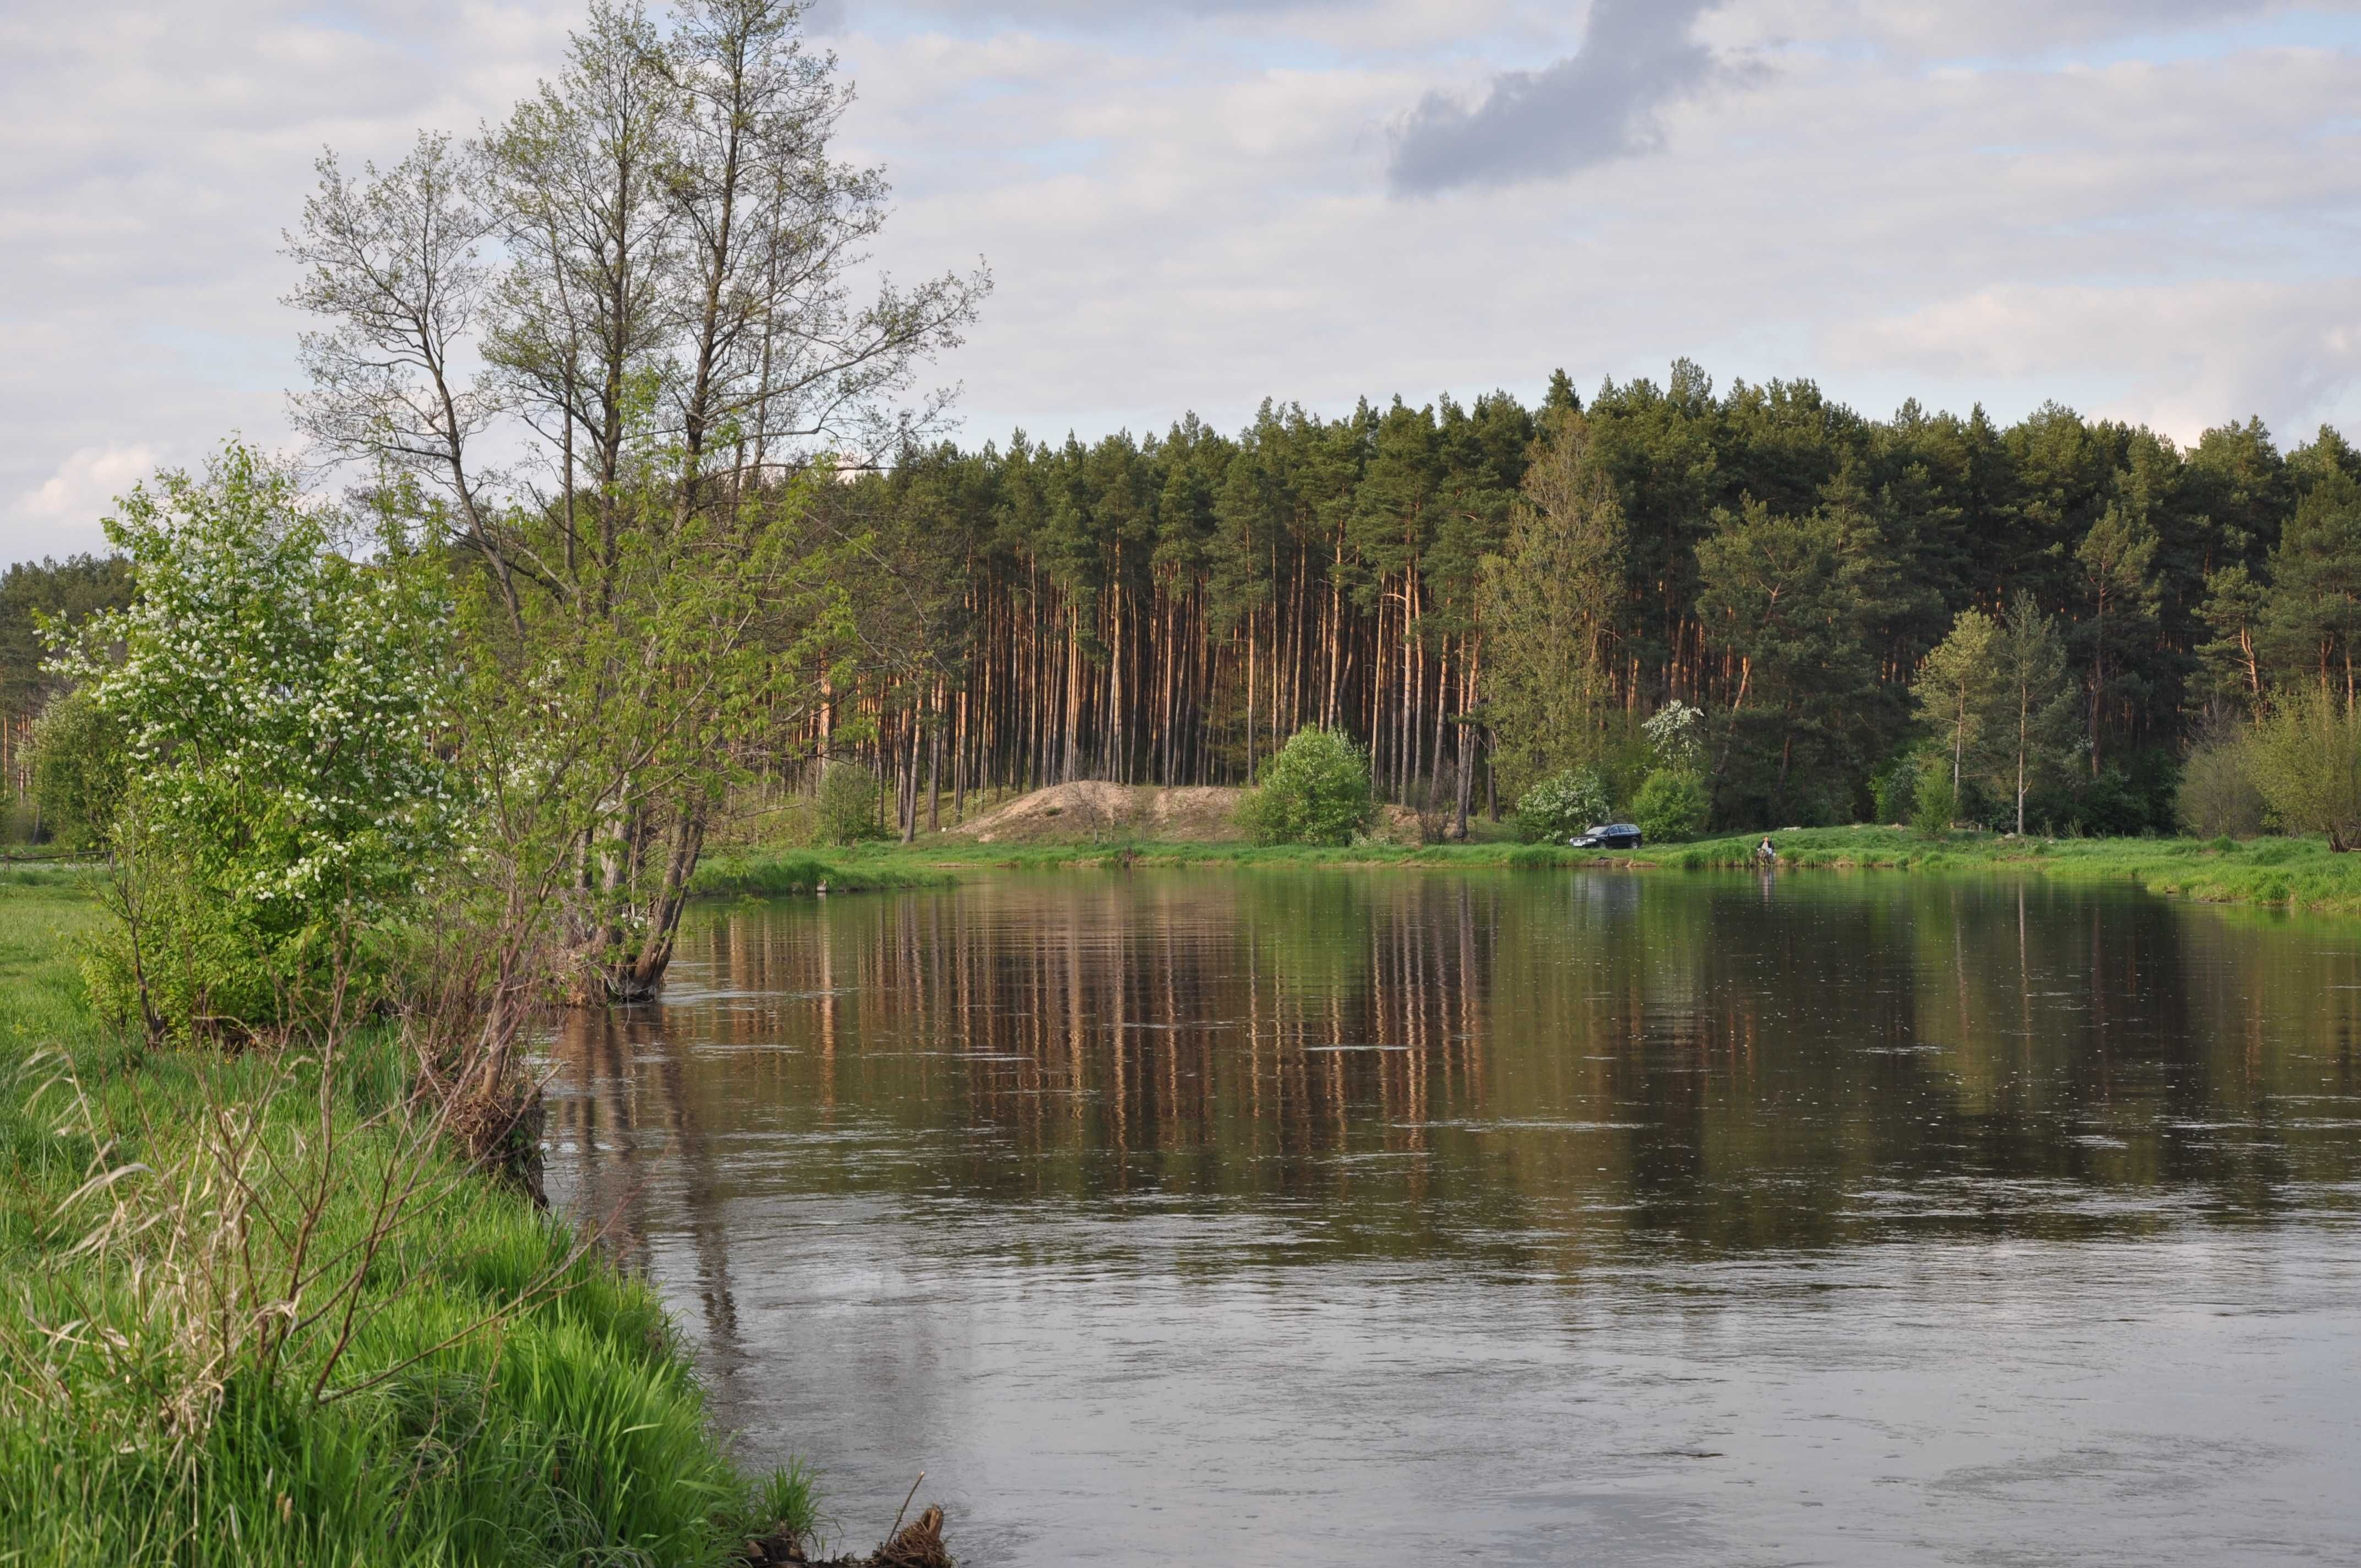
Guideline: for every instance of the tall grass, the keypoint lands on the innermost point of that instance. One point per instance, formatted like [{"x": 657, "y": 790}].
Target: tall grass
[{"x": 255, "y": 1310}]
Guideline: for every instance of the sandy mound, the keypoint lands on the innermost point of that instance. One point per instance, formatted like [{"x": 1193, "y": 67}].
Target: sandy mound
[
  {"x": 1064, "y": 813},
  {"x": 1093, "y": 811}
]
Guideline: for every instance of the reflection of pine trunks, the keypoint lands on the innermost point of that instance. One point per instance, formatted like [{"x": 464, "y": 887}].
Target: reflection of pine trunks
[
  {"x": 1130, "y": 1027},
  {"x": 599, "y": 1122},
  {"x": 1550, "y": 1061}
]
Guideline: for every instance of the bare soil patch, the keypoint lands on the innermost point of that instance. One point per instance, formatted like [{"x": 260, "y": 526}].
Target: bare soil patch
[{"x": 1093, "y": 809}]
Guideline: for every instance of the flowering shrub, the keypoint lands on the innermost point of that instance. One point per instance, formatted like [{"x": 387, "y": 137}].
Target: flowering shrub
[
  {"x": 1676, "y": 735},
  {"x": 1561, "y": 806},
  {"x": 277, "y": 703}
]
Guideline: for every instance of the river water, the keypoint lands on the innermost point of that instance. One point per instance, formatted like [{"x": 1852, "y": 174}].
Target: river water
[{"x": 1351, "y": 1216}]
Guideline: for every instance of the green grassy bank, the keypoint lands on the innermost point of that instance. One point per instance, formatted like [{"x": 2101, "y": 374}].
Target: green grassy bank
[
  {"x": 779, "y": 873},
  {"x": 2298, "y": 874},
  {"x": 256, "y": 1314}
]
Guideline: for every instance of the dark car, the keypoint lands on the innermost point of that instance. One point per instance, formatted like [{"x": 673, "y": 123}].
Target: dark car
[{"x": 1613, "y": 836}]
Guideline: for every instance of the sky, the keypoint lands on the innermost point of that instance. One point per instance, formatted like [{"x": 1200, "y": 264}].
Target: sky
[{"x": 2145, "y": 209}]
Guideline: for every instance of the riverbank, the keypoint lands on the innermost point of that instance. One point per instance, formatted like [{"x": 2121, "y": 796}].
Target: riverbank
[
  {"x": 788, "y": 873},
  {"x": 256, "y": 1314},
  {"x": 2297, "y": 874}
]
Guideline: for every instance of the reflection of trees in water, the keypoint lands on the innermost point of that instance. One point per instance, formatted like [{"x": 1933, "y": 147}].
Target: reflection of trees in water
[
  {"x": 630, "y": 1098},
  {"x": 1540, "y": 1060},
  {"x": 1091, "y": 1022}
]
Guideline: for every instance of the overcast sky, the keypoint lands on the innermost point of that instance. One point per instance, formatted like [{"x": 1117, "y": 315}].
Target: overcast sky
[{"x": 2144, "y": 208}]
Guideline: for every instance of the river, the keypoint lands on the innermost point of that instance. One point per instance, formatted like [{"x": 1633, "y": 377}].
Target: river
[{"x": 1354, "y": 1216}]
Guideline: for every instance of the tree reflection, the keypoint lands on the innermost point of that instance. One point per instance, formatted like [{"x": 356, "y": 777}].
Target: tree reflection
[{"x": 1533, "y": 1068}]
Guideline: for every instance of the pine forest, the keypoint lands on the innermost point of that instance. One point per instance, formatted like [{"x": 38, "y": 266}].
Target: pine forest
[{"x": 1483, "y": 593}]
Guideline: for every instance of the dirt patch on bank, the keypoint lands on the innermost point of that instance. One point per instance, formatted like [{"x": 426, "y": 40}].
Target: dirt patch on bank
[
  {"x": 1065, "y": 813},
  {"x": 1093, "y": 811}
]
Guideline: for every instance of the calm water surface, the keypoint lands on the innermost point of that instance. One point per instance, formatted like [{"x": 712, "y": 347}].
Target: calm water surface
[{"x": 1347, "y": 1216}]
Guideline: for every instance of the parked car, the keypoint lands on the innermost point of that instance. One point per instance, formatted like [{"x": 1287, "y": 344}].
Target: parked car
[{"x": 1612, "y": 836}]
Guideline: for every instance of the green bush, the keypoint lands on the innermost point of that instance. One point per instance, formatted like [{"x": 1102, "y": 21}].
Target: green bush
[
  {"x": 2110, "y": 807},
  {"x": 78, "y": 770},
  {"x": 1934, "y": 802},
  {"x": 848, "y": 803},
  {"x": 279, "y": 706},
  {"x": 1561, "y": 806},
  {"x": 2218, "y": 796},
  {"x": 1317, "y": 791},
  {"x": 1894, "y": 789},
  {"x": 181, "y": 959},
  {"x": 2306, "y": 756},
  {"x": 1671, "y": 804}
]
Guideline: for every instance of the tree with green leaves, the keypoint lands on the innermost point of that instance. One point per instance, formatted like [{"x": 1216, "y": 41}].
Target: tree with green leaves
[
  {"x": 2030, "y": 717},
  {"x": 1954, "y": 689},
  {"x": 57, "y": 594},
  {"x": 2231, "y": 658},
  {"x": 79, "y": 771},
  {"x": 1317, "y": 791},
  {"x": 1673, "y": 803},
  {"x": 1935, "y": 803},
  {"x": 1548, "y": 603},
  {"x": 2305, "y": 755},
  {"x": 653, "y": 259},
  {"x": 2309, "y": 628},
  {"x": 2118, "y": 559},
  {"x": 281, "y": 710},
  {"x": 1780, "y": 604}
]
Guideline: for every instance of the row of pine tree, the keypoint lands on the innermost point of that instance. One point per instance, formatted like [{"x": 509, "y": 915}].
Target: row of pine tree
[{"x": 1168, "y": 609}]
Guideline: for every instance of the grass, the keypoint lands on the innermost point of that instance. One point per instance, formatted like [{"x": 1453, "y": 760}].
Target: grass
[
  {"x": 776, "y": 873},
  {"x": 2298, "y": 874},
  {"x": 252, "y": 1313}
]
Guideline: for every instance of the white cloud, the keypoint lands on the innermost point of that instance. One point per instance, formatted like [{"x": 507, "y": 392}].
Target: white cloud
[
  {"x": 69, "y": 502},
  {"x": 1937, "y": 30},
  {"x": 2140, "y": 208},
  {"x": 1215, "y": 235},
  {"x": 149, "y": 155},
  {"x": 2181, "y": 357}
]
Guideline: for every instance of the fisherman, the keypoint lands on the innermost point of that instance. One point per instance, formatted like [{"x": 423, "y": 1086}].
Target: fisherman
[{"x": 1767, "y": 853}]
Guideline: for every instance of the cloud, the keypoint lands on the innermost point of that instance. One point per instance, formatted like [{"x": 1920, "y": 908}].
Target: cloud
[
  {"x": 70, "y": 501},
  {"x": 2181, "y": 357},
  {"x": 1595, "y": 105},
  {"x": 1212, "y": 235},
  {"x": 2141, "y": 209},
  {"x": 2002, "y": 30},
  {"x": 1094, "y": 16},
  {"x": 149, "y": 158}
]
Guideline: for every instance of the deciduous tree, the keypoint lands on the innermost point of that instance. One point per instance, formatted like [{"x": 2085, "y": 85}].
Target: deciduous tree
[{"x": 652, "y": 256}]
